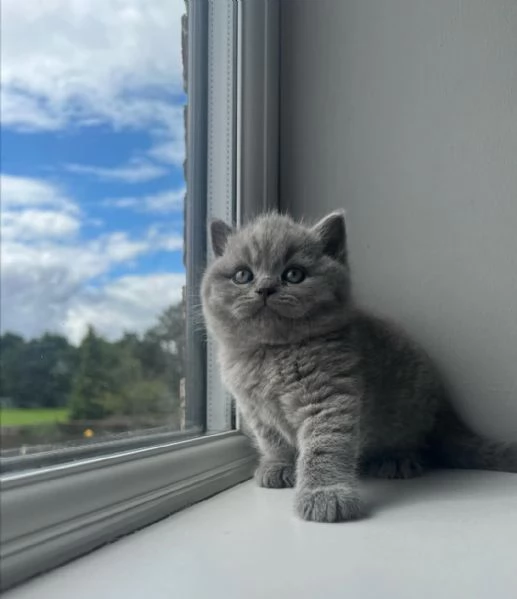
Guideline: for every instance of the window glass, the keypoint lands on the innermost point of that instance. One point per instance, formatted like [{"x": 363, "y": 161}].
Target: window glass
[{"x": 93, "y": 339}]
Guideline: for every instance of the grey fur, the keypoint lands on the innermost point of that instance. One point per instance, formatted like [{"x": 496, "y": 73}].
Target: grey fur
[{"x": 327, "y": 389}]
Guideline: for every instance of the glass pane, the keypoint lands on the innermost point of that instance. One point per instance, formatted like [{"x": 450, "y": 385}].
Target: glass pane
[{"x": 93, "y": 190}]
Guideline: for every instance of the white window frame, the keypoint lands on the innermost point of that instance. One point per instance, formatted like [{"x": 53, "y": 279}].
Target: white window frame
[
  {"x": 58, "y": 512},
  {"x": 243, "y": 171},
  {"x": 221, "y": 170}
]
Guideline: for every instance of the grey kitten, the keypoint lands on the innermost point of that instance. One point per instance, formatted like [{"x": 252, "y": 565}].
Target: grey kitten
[{"x": 328, "y": 390}]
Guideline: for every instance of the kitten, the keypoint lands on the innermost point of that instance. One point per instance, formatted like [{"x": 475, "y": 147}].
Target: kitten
[{"x": 327, "y": 389}]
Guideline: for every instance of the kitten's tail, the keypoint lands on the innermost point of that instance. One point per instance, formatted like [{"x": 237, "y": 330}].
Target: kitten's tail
[{"x": 454, "y": 445}]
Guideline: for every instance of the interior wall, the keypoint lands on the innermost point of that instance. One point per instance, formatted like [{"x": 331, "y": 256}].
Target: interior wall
[{"x": 404, "y": 112}]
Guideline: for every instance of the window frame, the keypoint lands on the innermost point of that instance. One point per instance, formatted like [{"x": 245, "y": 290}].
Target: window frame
[
  {"x": 58, "y": 512},
  {"x": 221, "y": 200},
  {"x": 195, "y": 208}
]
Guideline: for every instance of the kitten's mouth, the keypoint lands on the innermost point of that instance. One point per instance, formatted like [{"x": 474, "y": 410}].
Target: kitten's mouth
[
  {"x": 262, "y": 309},
  {"x": 265, "y": 309}
]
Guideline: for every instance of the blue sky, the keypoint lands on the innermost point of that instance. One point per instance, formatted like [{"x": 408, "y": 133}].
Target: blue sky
[
  {"x": 91, "y": 174},
  {"x": 48, "y": 156}
]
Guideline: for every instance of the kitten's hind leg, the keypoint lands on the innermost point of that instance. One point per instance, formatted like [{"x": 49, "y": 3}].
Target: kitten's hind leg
[{"x": 400, "y": 464}]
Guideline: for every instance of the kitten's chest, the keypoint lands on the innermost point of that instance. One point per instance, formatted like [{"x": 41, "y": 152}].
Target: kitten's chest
[
  {"x": 270, "y": 383},
  {"x": 266, "y": 372}
]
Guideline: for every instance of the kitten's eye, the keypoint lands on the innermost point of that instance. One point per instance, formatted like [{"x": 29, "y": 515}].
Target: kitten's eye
[
  {"x": 294, "y": 275},
  {"x": 243, "y": 276}
]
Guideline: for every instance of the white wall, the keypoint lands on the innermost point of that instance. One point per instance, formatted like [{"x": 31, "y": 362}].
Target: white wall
[{"x": 405, "y": 113}]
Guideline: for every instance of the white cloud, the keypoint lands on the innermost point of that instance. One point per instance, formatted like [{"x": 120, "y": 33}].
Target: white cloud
[
  {"x": 122, "y": 202},
  {"x": 167, "y": 201},
  {"x": 117, "y": 247},
  {"x": 34, "y": 209},
  {"x": 35, "y": 224},
  {"x": 23, "y": 192},
  {"x": 135, "y": 171},
  {"x": 52, "y": 280},
  {"x": 163, "y": 202},
  {"x": 52, "y": 294},
  {"x": 129, "y": 304},
  {"x": 170, "y": 152},
  {"x": 171, "y": 243},
  {"x": 160, "y": 237},
  {"x": 86, "y": 61},
  {"x": 27, "y": 113}
]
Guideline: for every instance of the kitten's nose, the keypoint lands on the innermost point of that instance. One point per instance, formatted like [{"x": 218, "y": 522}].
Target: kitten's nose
[{"x": 266, "y": 290}]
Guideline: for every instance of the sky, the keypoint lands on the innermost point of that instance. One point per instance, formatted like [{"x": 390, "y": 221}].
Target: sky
[{"x": 91, "y": 174}]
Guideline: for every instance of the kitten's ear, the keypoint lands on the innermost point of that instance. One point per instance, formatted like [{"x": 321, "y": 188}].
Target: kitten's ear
[
  {"x": 219, "y": 232},
  {"x": 332, "y": 231}
]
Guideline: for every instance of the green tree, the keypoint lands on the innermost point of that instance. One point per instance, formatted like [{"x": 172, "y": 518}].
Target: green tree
[
  {"x": 163, "y": 347},
  {"x": 38, "y": 373},
  {"x": 171, "y": 331},
  {"x": 11, "y": 347},
  {"x": 94, "y": 383},
  {"x": 55, "y": 362},
  {"x": 150, "y": 368},
  {"x": 142, "y": 398},
  {"x": 132, "y": 376}
]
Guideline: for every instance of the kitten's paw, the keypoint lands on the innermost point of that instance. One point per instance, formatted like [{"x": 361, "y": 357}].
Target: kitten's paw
[
  {"x": 406, "y": 466},
  {"x": 338, "y": 503},
  {"x": 275, "y": 475}
]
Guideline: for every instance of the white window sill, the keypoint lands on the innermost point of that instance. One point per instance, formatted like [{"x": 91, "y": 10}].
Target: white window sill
[{"x": 448, "y": 535}]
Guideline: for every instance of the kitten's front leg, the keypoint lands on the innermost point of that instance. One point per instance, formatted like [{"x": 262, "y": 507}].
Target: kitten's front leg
[
  {"x": 327, "y": 488},
  {"x": 276, "y": 469}
]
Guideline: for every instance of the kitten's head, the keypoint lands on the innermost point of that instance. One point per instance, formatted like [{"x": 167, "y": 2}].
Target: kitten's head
[{"x": 276, "y": 281}]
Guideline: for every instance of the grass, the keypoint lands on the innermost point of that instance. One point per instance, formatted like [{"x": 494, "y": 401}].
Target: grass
[{"x": 26, "y": 417}]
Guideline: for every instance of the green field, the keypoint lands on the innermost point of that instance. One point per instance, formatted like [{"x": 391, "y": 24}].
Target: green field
[{"x": 21, "y": 417}]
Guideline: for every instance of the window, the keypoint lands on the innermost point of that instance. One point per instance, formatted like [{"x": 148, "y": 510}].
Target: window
[
  {"x": 93, "y": 346},
  {"x": 125, "y": 127}
]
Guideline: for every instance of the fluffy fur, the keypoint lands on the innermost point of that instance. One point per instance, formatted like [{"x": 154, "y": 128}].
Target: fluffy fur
[{"x": 327, "y": 389}]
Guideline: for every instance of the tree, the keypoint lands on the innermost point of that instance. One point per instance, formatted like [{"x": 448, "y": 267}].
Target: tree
[
  {"x": 53, "y": 368},
  {"x": 38, "y": 373},
  {"x": 164, "y": 346},
  {"x": 132, "y": 376},
  {"x": 142, "y": 398},
  {"x": 94, "y": 383},
  {"x": 111, "y": 381},
  {"x": 10, "y": 350},
  {"x": 171, "y": 329}
]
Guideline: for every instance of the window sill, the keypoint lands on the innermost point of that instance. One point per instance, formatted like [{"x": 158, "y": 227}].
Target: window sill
[
  {"x": 447, "y": 535},
  {"x": 53, "y": 515}
]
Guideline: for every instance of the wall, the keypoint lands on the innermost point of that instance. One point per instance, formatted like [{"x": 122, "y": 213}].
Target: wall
[{"x": 405, "y": 113}]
